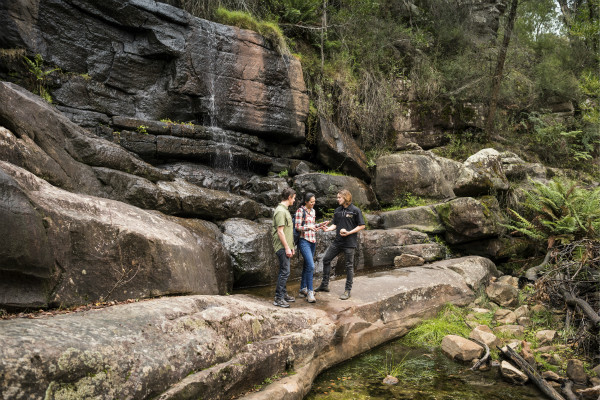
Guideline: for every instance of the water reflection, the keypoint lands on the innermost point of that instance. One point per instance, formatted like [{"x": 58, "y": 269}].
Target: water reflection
[{"x": 424, "y": 374}]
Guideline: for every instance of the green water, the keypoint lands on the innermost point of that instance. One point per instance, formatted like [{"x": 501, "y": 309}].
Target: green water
[{"x": 424, "y": 374}]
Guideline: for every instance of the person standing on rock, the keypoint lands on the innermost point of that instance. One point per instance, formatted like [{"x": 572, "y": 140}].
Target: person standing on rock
[
  {"x": 305, "y": 224},
  {"x": 283, "y": 242},
  {"x": 347, "y": 222}
]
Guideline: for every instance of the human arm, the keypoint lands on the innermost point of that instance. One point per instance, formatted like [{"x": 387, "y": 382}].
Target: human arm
[
  {"x": 344, "y": 232},
  {"x": 289, "y": 252},
  {"x": 329, "y": 228}
]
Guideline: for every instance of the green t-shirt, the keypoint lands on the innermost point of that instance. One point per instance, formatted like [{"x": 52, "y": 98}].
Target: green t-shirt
[{"x": 282, "y": 217}]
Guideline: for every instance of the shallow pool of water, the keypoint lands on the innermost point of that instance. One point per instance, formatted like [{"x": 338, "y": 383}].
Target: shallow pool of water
[{"x": 424, "y": 374}]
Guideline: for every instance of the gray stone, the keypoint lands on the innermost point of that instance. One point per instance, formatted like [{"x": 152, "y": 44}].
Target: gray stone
[
  {"x": 485, "y": 336},
  {"x": 96, "y": 249},
  {"x": 418, "y": 173},
  {"x": 378, "y": 248},
  {"x": 545, "y": 337},
  {"x": 390, "y": 380},
  {"x": 522, "y": 311},
  {"x": 422, "y": 219},
  {"x": 502, "y": 294},
  {"x": 512, "y": 330},
  {"x": 467, "y": 219},
  {"x": 481, "y": 174},
  {"x": 406, "y": 260},
  {"x": 250, "y": 246},
  {"x": 325, "y": 187},
  {"x": 457, "y": 347},
  {"x": 339, "y": 152},
  {"x": 576, "y": 372},
  {"x": 509, "y": 280},
  {"x": 505, "y": 317}
]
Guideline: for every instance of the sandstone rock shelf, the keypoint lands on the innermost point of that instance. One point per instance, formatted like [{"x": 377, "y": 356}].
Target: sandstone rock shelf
[{"x": 218, "y": 347}]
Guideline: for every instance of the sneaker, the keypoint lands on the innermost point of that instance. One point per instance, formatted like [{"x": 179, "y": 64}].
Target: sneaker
[
  {"x": 311, "y": 297},
  {"x": 288, "y": 298},
  {"x": 322, "y": 288},
  {"x": 346, "y": 295},
  {"x": 281, "y": 303},
  {"x": 303, "y": 292}
]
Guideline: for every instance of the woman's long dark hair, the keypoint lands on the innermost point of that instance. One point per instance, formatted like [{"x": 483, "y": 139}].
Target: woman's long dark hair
[{"x": 308, "y": 196}]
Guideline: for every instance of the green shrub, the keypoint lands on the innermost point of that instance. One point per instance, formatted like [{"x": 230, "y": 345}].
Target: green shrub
[{"x": 449, "y": 321}]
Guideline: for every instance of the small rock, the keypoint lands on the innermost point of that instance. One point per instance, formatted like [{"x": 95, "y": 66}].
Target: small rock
[
  {"x": 538, "y": 308},
  {"x": 390, "y": 380},
  {"x": 596, "y": 369},
  {"x": 524, "y": 321},
  {"x": 505, "y": 317},
  {"x": 513, "y": 330},
  {"x": 545, "y": 336},
  {"x": 551, "y": 376},
  {"x": 503, "y": 294},
  {"x": 485, "y": 337},
  {"x": 509, "y": 280},
  {"x": 457, "y": 347},
  {"x": 545, "y": 349},
  {"x": 575, "y": 371},
  {"x": 408, "y": 260},
  {"x": 512, "y": 374},
  {"x": 595, "y": 381},
  {"x": 592, "y": 393},
  {"x": 477, "y": 310},
  {"x": 553, "y": 359},
  {"x": 522, "y": 311}
]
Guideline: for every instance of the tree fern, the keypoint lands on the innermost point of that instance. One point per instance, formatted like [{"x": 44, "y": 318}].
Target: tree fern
[{"x": 558, "y": 211}]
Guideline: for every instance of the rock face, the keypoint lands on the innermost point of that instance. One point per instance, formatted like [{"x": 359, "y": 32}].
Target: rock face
[
  {"x": 418, "y": 173},
  {"x": 424, "y": 219},
  {"x": 215, "y": 346},
  {"x": 339, "y": 152},
  {"x": 325, "y": 187},
  {"x": 150, "y": 60},
  {"x": 249, "y": 243},
  {"x": 94, "y": 249}
]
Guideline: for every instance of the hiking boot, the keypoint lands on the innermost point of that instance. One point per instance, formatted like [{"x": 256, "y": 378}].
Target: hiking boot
[
  {"x": 281, "y": 303},
  {"x": 311, "y": 297},
  {"x": 322, "y": 288},
  {"x": 303, "y": 292},
  {"x": 288, "y": 298},
  {"x": 346, "y": 295}
]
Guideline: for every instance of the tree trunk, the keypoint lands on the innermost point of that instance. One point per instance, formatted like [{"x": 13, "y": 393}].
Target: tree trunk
[{"x": 497, "y": 78}]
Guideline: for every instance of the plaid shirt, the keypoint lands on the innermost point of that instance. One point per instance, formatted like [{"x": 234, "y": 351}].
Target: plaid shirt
[{"x": 309, "y": 222}]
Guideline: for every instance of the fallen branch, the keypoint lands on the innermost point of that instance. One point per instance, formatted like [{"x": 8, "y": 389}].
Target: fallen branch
[
  {"x": 532, "y": 273},
  {"x": 582, "y": 304},
  {"x": 531, "y": 373},
  {"x": 567, "y": 389},
  {"x": 485, "y": 358}
]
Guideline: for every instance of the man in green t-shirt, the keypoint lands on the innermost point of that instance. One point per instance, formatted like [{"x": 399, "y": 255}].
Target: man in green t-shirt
[{"x": 283, "y": 242}]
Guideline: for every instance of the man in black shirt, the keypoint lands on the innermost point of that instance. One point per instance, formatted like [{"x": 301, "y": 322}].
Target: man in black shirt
[{"x": 347, "y": 221}]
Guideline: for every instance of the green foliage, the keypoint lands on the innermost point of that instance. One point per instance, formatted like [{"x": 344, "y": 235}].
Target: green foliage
[
  {"x": 558, "y": 211},
  {"x": 38, "y": 76},
  {"x": 142, "y": 129},
  {"x": 245, "y": 20},
  {"x": 406, "y": 200},
  {"x": 332, "y": 173},
  {"x": 449, "y": 321},
  {"x": 283, "y": 174}
]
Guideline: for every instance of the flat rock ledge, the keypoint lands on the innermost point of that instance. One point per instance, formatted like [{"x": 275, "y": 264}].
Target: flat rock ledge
[{"x": 219, "y": 347}]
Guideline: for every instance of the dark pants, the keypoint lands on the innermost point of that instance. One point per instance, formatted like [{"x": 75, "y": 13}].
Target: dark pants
[
  {"x": 284, "y": 273},
  {"x": 332, "y": 251}
]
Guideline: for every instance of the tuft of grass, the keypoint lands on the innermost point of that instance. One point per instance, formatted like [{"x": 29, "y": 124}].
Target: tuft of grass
[
  {"x": 449, "y": 321},
  {"x": 270, "y": 30},
  {"x": 333, "y": 173}
]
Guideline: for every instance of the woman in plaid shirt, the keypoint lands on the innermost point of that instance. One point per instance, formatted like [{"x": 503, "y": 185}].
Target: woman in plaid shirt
[{"x": 305, "y": 224}]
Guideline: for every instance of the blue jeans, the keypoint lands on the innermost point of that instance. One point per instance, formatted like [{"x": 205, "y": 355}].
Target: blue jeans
[
  {"x": 307, "y": 249},
  {"x": 332, "y": 251},
  {"x": 284, "y": 273}
]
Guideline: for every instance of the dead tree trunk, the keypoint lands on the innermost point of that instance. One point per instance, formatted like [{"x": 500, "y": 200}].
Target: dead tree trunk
[
  {"x": 497, "y": 78},
  {"x": 531, "y": 373}
]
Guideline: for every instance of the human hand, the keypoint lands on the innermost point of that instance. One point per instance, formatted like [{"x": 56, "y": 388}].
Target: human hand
[
  {"x": 289, "y": 252},
  {"x": 343, "y": 232}
]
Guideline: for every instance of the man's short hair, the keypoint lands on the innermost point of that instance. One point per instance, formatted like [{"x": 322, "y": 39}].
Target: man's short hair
[
  {"x": 346, "y": 195},
  {"x": 286, "y": 193}
]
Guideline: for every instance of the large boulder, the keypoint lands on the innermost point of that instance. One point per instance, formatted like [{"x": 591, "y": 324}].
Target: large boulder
[
  {"x": 418, "y": 173},
  {"x": 326, "y": 186},
  {"x": 378, "y": 248},
  {"x": 250, "y": 245},
  {"x": 150, "y": 60},
  {"x": 65, "y": 249},
  {"x": 467, "y": 219},
  {"x": 338, "y": 151},
  {"x": 423, "y": 219},
  {"x": 457, "y": 347},
  {"x": 481, "y": 174},
  {"x": 503, "y": 294},
  {"x": 516, "y": 169}
]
